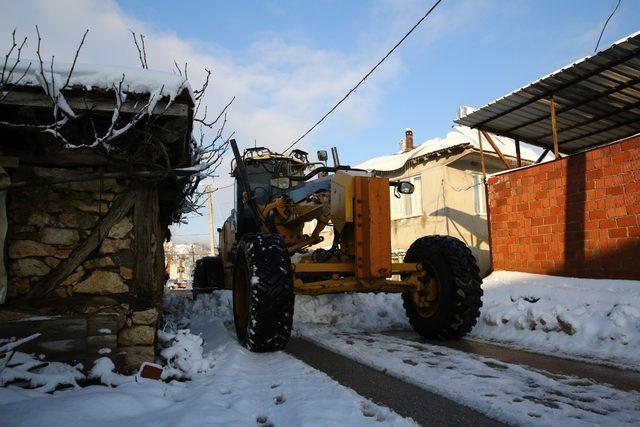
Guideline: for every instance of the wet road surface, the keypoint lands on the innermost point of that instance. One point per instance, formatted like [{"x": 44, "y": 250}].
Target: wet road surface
[{"x": 408, "y": 400}]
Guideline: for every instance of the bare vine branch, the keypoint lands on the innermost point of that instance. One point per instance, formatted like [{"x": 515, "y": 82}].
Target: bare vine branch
[
  {"x": 75, "y": 58},
  {"x": 213, "y": 123},
  {"x": 46, "y": 88},
  {"x": 207, "y": 146},
  {"x": 142, "y": 54},
  {"x": 7, "y": 73},
  {"x": 199, "y": 93}
]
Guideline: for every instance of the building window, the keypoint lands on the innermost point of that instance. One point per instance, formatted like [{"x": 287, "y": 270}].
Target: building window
[
  {"x": 408, "y": 204},
  {"x": 479, "y": 198}
]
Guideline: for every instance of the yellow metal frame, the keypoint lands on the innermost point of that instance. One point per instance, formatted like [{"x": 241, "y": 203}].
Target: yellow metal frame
[
  {"x": 343, "y": 279},
  {"x": 358, "y": 200},
  {"x": 345, "y": 267}
]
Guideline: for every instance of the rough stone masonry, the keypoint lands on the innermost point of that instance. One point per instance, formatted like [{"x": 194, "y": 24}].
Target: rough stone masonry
[{"x": 94, "y": 302}]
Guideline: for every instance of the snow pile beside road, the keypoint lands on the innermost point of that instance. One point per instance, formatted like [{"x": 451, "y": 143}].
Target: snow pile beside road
[
  {"x": 580, "y": 318},
  {"x": 351, "y": 312},
  {"x": 179, "y": 311},
  {"x": 104, "y": 371},
  {"x": 598, "y": 320},
  {"x": 183, "y": 354}
]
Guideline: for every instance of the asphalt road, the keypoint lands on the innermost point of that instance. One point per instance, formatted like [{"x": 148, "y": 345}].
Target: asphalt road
[
  {"x": 428, "y": 408},
  {"x": 408, "y": 400}
]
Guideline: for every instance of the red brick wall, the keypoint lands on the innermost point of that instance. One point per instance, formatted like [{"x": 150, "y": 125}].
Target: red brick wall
[{"x": 578, "y": 216}]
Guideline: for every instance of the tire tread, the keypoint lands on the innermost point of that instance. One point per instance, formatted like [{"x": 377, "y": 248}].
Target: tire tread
[
  {"x": 271, "y": 296},
  {"x": 467, "y": 298}
]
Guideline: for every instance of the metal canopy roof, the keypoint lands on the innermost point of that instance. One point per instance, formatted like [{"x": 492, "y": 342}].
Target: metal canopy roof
[{"x": 597, "y": 100}]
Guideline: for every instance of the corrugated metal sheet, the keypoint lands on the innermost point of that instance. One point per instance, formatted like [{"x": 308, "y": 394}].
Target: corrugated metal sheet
[{"x": 597, "y": 100}]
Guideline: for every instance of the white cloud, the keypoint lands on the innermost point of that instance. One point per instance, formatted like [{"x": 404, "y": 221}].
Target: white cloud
[{"x": 281, "y": 88}]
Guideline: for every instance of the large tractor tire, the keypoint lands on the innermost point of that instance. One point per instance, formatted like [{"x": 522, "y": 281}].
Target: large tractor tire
[
  {"x": 450, "y": 305},
  {"x": 263, "y": 296},
  {"x": 208, "y": 275}
]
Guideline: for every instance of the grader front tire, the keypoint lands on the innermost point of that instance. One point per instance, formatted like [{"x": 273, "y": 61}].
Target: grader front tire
[
  {"x": 450, "y": 304},
  {"x": 263, "y": 298}
]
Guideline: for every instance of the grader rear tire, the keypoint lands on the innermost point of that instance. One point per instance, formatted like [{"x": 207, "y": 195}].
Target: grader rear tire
[
  {"x": 263, "y": 296},
  {"x": 208, "y": 275},
  {"x": 452, "y": 306}
]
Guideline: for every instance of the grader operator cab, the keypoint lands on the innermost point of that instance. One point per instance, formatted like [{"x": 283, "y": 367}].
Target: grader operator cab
[{"x": 266, "y": 257}]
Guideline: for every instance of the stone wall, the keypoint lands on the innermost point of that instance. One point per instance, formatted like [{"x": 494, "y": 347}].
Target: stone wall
[
  {"x": 100, "y": 296},
  {"x": 126, "y": 336},
  {"x": 4, "y": 181}
]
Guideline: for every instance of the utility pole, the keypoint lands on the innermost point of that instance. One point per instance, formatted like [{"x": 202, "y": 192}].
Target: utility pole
[{"x": 212, "y": 250}]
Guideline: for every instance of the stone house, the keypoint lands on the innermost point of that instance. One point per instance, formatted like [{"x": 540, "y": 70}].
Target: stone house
[
  {"x": 85, "y": 208},
  {"x": 449, "y": 197}
]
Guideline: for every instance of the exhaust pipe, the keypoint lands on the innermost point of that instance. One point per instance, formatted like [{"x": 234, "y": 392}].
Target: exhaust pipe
[{"x": 334, "y": 154}]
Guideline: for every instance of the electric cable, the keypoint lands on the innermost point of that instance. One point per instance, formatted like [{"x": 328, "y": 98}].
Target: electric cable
[
  {"x": 353, "y": 89},
  {"x": 605, "y": 24}
]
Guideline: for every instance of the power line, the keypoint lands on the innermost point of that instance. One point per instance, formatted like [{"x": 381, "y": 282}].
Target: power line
[
  {"x": 365, "y": 76},
  {"x": 605, "y": 24},
  {"x": 213, "y": 190}
]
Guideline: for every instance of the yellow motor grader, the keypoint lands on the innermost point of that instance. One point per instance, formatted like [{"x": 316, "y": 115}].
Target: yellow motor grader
[{"x": 266, "y": 257}]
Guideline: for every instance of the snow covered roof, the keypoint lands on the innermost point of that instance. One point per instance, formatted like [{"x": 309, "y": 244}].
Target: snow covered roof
[
  {"x": 596, "y": 101},
  {"x": 458, "y": 137},
  {"x": 91, "y": 77}
]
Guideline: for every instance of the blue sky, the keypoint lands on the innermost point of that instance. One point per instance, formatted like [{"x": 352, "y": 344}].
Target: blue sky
[
  {"x": 505, "y": 45},
  {"x": 287, "y": 62}
]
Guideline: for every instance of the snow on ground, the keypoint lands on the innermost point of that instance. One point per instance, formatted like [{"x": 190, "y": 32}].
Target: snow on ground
[
  {"x": 594, "y": 320},
  {"x": 229, "y": 385},
  {"x": 598, "y": 320},
  {"x": 577, "y": 318},
  {"x": 41, "y": 376},
  {"x": 511, "y": 393}
]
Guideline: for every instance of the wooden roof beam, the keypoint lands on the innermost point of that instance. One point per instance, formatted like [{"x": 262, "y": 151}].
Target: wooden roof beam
[
  {"x": 96, "y": 102},
  {"x": 496, "y": 149},
  {"x": 578, "y": 104},
  {"x": 543, "y": 155},
  {"x": 594, "y": 119},
  {"x": 554, "y": 126}
]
